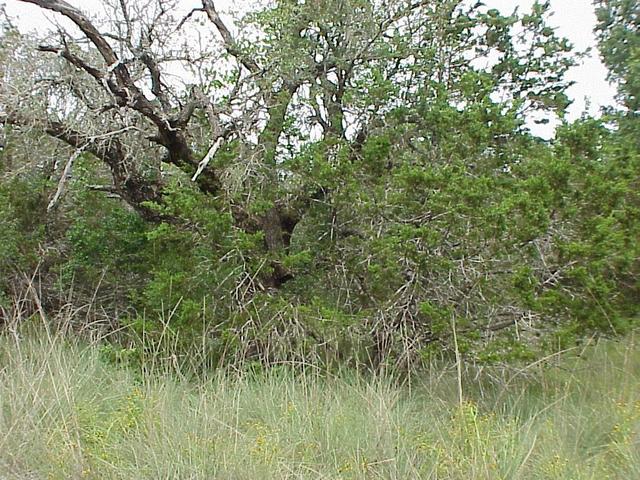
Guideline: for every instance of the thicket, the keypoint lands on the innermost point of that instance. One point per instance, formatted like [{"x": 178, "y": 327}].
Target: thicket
[{"x": 343, "y": 182}]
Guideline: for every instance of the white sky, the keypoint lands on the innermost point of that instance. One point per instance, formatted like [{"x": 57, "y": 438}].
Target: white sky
[{"x": 574, "y": 19}]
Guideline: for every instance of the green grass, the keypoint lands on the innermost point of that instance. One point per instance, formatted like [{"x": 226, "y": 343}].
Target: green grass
[{"x": 66, "y": 413}]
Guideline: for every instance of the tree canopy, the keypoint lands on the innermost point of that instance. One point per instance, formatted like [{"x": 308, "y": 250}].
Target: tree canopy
[{"x": 348, "y": 181}]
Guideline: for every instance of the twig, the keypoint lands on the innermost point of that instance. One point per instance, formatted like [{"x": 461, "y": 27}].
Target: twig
[{"x": 66, "y": 174}]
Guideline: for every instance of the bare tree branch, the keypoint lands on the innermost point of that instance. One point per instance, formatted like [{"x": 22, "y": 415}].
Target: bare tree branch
[
  {"x": 229, "y": 43},
  {"x": 96, "y": 73},
  {"x": 66, "y": 175},
  {"x": 207, "y": 158},
  {"x": 129, "y": 95}
]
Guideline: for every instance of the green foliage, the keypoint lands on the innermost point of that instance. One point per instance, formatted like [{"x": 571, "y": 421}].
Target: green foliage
[
  {"x": 619, "y": 41},
  {"x": 389, "y": 193},
  {"x": 113, "y": 241},
  {"x": 602, "y": 250},
  {"x": 22, "y": 229}
]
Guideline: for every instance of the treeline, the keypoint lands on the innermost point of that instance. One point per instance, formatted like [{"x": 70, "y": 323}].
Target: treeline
[{"x": 341, "y": 182}]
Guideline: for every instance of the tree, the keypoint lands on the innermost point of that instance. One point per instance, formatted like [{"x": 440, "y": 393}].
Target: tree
[
  {"x": 618, "y": 28},
  {"x": 357, "y": 57},
  {"x": 358, "y": 165}
]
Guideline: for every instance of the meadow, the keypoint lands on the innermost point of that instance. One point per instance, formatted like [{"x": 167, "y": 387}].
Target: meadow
[{"x": 68, "y": 412}]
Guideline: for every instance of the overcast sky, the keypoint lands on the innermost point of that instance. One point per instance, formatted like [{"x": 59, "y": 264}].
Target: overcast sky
[{"x": 574, "y": 19}]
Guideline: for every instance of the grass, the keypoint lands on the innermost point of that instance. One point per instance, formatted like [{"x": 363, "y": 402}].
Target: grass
[{"x": 67, "y": 413}]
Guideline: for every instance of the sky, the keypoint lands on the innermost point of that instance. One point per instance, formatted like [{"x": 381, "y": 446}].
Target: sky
[{"x": 573, "y": 19}]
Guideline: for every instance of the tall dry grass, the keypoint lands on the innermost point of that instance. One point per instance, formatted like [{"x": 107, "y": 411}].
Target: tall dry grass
[{"x": 66, "y": 412}]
